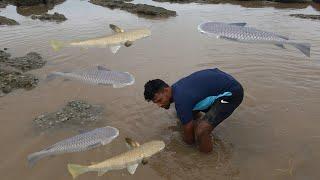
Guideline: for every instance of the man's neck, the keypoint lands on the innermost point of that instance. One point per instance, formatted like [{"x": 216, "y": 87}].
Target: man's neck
[{"x": 171, "y": 95}]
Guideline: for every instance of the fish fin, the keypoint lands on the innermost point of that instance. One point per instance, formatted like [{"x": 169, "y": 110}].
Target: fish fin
[
  {"x": 227, "y": 38},
  {"x": 114, "y": 49},
  {"x": 82, "y": 131},
  {"x": 101, "y": 68},
  {"x": 51, "y": 77},
  {"x": 283, "y": 37},
  {"x": 128, "y": 43},
  {"x": 101, "y": 172},
  {"x": 94, "y": 145},
  {"x": 303, "y": 47},
  {"x": 238, "y": 24},
  {"x": 144, "y": 161},
  {"x": 48, "y": 148},
  {"x": 280, "y": 45},
  {"x": 132, "y": 169},
  {"x": 116, "y": 28},
  {"x": 34, "y": 157},
  {"x": 56, "y": 45},
  {"x": 118, "y": 85},
  {"x": 76, "y": 170},
  {"x": 131, "y": 143},
  {"x": 106, "y": 141}
]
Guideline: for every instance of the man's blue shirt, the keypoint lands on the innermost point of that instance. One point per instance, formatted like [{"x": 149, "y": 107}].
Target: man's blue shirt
[{"x": 190, "y": 90}]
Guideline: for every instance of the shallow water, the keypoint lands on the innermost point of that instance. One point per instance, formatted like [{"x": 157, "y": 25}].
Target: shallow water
[{"x": 274, "y": 134}]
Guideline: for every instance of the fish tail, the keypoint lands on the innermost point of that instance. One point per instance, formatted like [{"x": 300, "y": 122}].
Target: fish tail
[
  {"x": 34, "y": 157},
  {"x": 76, "y": 170},
  {"x": 56, "y": 45},
  {"x": 52, "y": 76},
  {"x": 303, "y": 47}
]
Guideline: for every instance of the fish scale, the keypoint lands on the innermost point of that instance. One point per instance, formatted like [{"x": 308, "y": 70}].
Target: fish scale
[
  {"x": 237, "y": 32},
  {"x": 78, "y": 142},
  {"x": 99, "y": 76},
  {"x": 81, "y": 142}
]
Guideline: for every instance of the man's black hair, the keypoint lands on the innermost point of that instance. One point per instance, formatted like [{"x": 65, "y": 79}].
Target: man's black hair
[{"x": 152, "y": 87}]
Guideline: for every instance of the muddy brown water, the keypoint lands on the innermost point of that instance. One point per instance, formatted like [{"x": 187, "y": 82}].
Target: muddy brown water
[{"x": 274, "y": 134}]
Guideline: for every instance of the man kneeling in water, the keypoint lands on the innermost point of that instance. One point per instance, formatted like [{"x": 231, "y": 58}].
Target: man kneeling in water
[{"x": 211, "y": 91}]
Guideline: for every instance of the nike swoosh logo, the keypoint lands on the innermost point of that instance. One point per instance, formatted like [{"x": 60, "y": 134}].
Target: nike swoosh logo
[{"x": 224, "y": 102}]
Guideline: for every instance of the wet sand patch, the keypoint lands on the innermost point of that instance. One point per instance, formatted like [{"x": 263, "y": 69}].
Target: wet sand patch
[
  {"x": 50, "y": 17},
  {"x": 306, "y": 16},
  {"x": 11, "y": 79},
  {"x": 140, "y": 9},
  {"x": 7, "y": 21},
  {"x": 25, "y": 63},
  {"x": 75, "y": 114},
  {"x": 12, "y": 71},
  {"x": 3, "y": 4}
]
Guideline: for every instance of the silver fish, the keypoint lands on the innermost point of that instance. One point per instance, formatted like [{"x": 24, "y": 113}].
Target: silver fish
[
  {"x": 239, "y": 33},
  {"x": 98, "y": 75},
  {"x": 81, "y": 142},
  {"x": 130, "y": 159},
  {"x": 113, "y": 41}
]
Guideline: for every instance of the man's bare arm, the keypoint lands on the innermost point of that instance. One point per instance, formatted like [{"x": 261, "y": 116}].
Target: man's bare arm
[{"x": 188, "y": 132}]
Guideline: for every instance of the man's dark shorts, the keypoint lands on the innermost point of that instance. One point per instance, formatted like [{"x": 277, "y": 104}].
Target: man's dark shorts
[{"x": 221, "y": 111}]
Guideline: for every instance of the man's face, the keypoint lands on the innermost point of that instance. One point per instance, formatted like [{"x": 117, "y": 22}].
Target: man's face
[{"x": 162, "y": 99}]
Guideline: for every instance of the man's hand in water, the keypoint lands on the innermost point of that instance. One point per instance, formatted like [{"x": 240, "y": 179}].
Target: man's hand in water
[
  {"x": 189, "y": 129},
  {"x": 188, "y": 132},
  {"x": 198, "y": 131}
]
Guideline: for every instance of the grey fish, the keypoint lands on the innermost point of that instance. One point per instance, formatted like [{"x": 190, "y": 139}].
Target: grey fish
[
  {"x": 81, "y": 142},
  {"x": 130, "y": 159},
  {"x": 113, "y": 41},
  {"x": 239, "y": 33},
  {"x": 98, "y": 75}
]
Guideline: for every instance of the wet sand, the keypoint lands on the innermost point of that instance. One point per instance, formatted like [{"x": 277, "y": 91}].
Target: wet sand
[{"x": 274, "y": 134}]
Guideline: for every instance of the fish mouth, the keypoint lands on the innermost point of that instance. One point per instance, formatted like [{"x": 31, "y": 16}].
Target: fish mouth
[
  {"x": 115, "y": 129},
  {"x": 164, "y": 145},
  {"x": 104, "y": 142},
  {"x": 160, "y": 144},
  {"x": 132, "y": 79},
  {"x": 200, "y": 29}
]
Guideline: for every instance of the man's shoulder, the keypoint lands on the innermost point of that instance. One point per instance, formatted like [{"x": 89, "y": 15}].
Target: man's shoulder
[
  {"x": 177, "y": 90},
  {"x": 180, "y": 92}
]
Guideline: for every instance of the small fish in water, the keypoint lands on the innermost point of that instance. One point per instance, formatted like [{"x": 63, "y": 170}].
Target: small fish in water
[
  {"x": 81, "y": 142},
  {"x": 130, "y": 159},
  {"x": 113, "y": 41},
  {"x": 98, "y": 75},
  {"x": 239, "y": 33}
]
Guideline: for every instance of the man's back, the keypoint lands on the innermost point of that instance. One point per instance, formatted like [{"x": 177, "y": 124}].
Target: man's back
[{"x": 188, "y": 91}]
